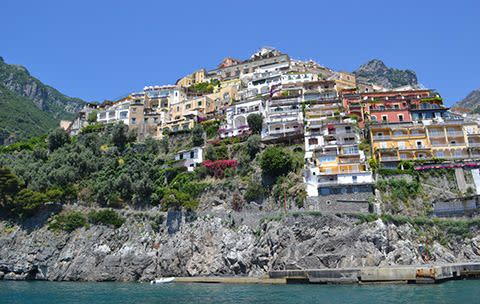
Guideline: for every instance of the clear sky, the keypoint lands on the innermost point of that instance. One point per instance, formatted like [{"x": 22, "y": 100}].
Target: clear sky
[{"x": 103, "y": 49}]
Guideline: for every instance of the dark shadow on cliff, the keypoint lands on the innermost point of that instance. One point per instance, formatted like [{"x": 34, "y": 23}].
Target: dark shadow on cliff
[
  {"x": 175, "y": 218},
  {"x": 34, "y": 222}
]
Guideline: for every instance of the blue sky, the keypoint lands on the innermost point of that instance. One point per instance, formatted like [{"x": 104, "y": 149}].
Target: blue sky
[{"x": 100, "y": 50}]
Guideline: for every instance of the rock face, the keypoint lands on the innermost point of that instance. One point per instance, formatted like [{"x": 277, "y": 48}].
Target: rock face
[
  {"x": 376, "y": 72},
  {"x": 471, "y": 102},
  {"x": 190, "y": 246}
]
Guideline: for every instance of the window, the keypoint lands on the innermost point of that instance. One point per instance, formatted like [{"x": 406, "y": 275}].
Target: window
[
  {"x": 401, "y": 145},
  {"x": 383, "y": 145},
  {"x": 400, "y": 117},
  {"x": 384, "y": 118},
  {"x": 178, "y": 108},
  {"x": 134, "y": 120},
  {"x": 199, "y": 103},
  {"x": 188, "y": 106},
  {"x": 192, "y": 154},
  {"x": 419, "y": 144},
  {"x": 327, "y": 158},
  {"x": 374, "y": 118},
  {"x": 313, "y": 141},
  {"x": 396, "y": 106},
  {"x": 440, "y": 154},
  {"x": 181, "y": 155},
  {"x": 134, "y": 109},
  {"x": 354, "y": 178}
]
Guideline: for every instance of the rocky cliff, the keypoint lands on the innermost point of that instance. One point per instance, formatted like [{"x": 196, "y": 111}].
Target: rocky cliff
[
  {"x": 376, "y": 72},
  {"x": 153, "y": 244},
  {"x": 471, "y": 102}
]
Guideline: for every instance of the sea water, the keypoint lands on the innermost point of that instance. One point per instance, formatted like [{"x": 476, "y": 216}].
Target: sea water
[{"x": 82, "y": 293}]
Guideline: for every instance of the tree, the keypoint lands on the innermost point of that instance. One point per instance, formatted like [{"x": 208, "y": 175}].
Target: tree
[
  {"x": 255, "y": 122},
  {"x": 57, "y": 138},
  {"x": 10, "y": 185},
  {"x": 253, "y": 145},
  {"x": 197, "y": 135},
  {"x": 92, "y": 116},
  {"x": 119, "y": 136},
  {"x": 276, "y": 162}
]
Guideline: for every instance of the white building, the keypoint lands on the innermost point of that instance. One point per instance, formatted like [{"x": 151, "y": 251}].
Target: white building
[
  {"x": 190, "y": 158},
  {"x": 236, "y": 117},
  {"x": 283, "y": 118},
  {"x": 115, "y": 113}
]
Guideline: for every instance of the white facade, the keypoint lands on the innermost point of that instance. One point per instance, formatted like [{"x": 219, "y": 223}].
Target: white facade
[
  {"x": 190, "y": 158},
  {"x": 115, "y": 113},
  {"x": 298, "y": 78},
  {"x": 283, "y": 118},
  {"x": 236, "y": 117}
]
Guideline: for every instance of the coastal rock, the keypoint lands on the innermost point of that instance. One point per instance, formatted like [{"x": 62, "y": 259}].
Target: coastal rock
[{"x": 204, "y": 245}]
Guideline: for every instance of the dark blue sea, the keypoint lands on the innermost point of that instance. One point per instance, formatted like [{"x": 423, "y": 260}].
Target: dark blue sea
[{"x": 82, "y": 293}]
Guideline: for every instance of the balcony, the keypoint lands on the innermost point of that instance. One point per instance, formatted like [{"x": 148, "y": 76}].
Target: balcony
[
  {"x": 439, "y": 144},
  {"x": 454, "y": 133},
  {"x": 473, "y": 144},
  {"x": 436, "y": 134},
  {"x": 389, "y": 158},
  {"x": 381, "y": 137},
  {"x": 457, "y": 144}
]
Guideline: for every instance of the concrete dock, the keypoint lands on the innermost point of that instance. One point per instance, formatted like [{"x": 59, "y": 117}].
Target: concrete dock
[
  {"x": 411, "y": 274},
  {"x": 420, "y": 274}
]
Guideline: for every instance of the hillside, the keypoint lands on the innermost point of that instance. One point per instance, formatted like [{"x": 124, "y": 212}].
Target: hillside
[
  {"x": 30, "y": 107},
  {"x": 376, "y": 72},
  {"x": 471, "y": 102},
  {"x": 20, "y": 118}
]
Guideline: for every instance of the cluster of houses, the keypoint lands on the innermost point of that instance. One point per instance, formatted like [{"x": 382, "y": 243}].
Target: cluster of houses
[{"x": 342, "y": 123}]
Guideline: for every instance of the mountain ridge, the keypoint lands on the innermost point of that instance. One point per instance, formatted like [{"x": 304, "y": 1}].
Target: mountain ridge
[{"x": 377, "y": 72}]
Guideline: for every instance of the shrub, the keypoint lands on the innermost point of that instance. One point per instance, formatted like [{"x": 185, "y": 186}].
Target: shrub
[
  {"x": 28, "y": 202},
  {"x": 197, "y": 135},
  {"x": 173, "y": 198},
  {"x": 93, "y": 128},
  {"x": 254, "y": 145},
  {"x": 217, "y": 168},
  {"x": 57, "y": 138},
  {"x": 237, "y": 201},
  {"x": 255, "y": 192},
  {"x": 107, "y": 217},
  {"x": 92, "y": 116},
  {"x": 68, "y": 221},
  {"x": 276, "y": 162}
]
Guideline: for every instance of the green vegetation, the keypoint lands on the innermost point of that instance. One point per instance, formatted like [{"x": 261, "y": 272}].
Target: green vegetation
[
  {"x": 276, "y": 161},
  {"x": 20, "y": 118},
  {"x": 399, "y": 189},
  {"x": 197, "y": 135},
  {"x": 68, "y": 221},
  {"x": 107, "y": 217},
  {"x": 255, "y": 122}
]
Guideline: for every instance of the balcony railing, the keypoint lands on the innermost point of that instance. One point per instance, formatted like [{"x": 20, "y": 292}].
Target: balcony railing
[
  {"x": 389, "y": 158},
  {"x": 457, "y": 144},
  {"x": 454, "y": 133},
  {"x": 474, "y": 144},
  {"x": 381, "y": 137},
  {"x": 436, "y": 134}
]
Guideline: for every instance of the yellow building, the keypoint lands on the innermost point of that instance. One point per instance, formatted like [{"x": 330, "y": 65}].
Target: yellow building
[
  {"x": 450, "y": 139},
  {"x": 395, "y": 142},
  {"x": 195, "y": 77}
]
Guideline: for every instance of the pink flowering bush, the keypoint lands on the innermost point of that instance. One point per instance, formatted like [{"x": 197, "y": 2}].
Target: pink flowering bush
[{"x": 217, "y": 168}]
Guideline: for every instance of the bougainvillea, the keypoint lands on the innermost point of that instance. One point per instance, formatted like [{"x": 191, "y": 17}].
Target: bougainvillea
[{"x": 217, "y": 168}]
